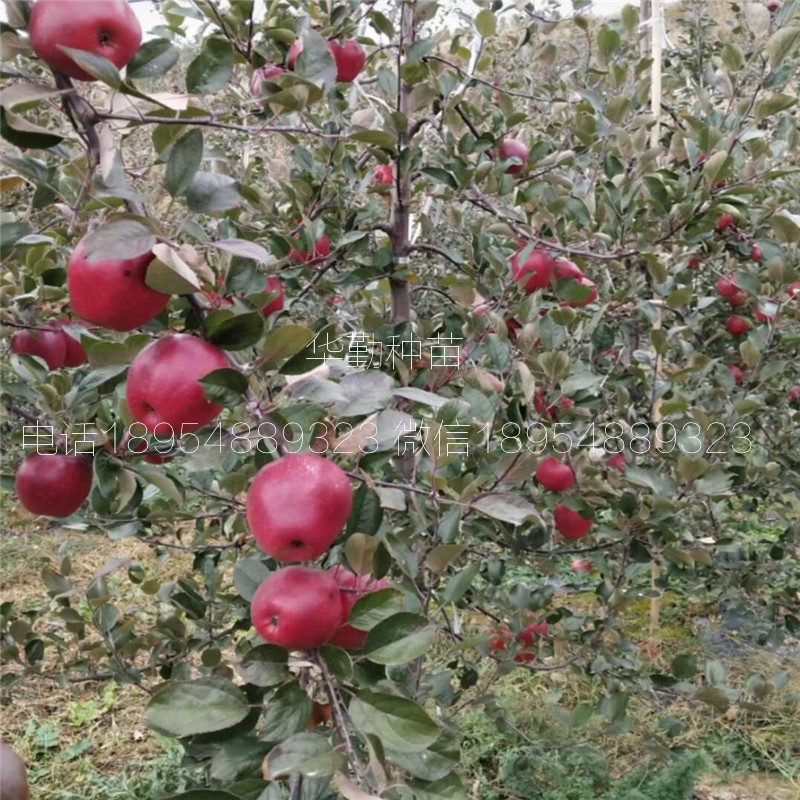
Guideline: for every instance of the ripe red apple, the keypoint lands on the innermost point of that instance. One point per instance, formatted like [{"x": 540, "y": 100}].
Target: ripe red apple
[
  {"x": 112, "y": 293},
  {"x": 322, "y": 249},
  {"x": 298, "y": 608},
  {"x": 737, "y": 326},
  {"x": 107, "y": 28},
  {"x": 163, "y": 384},
  {"x": 535, "y": 273},
  {"x": 352, "y": 587},
  {"x": 349, "y": 57},
  {"x": 563, "y": 268},
  {"x": 273, "y": 285},
  {"x": 617, "y": 461},
  {"x": 554, "y": 475},
  {"x": 499, "y": 639},
  {"x": 724, "y": 221},
  {"x": 383, "y": 175},
  {"x": 765, "y": 311},
  {"x": 515, "y": 150},
  {"x": 773, "y": 5},
  {"x": 794, "y": 393},
  {"x": 570, "y": 524},
  {"x": 726, "y": 286},
  {"x": 581, "y": 565},
  {"x": 755, "y": 254},
  {"x": 527, "y": 636},
  {"x": 693, "y": 262},
  {"x": 53, "y": 485},
  {"x": 76, "y": 355},
  {"x": 261, "y": 84},
  {"x": 297, "y": 505},
  {"x": 48, "y": 345},
  {"x": 737, "y": 299},
  {"x": 738, "y": 374}
]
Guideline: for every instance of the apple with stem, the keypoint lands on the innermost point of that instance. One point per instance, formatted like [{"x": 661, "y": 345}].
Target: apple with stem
[{"x": 298, "y": 608}]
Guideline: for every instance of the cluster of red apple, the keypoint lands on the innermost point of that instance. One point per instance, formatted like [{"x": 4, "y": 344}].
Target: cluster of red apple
[
  {"x": 540, "y": 268},
  {"x": 296, "y": 507}
]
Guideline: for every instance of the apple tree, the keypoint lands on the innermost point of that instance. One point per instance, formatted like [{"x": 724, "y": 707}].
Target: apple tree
[{"x": 406, "y": 325}]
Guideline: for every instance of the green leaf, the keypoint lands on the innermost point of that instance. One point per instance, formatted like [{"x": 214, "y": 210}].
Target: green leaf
[
  {"x": 264, "y": 666},
  {"x": 284, "y": 342},
  {"x": 485, "y": 23},
  {"x": 234, "y": 331},
  {"x": 715, "y": 673},
  {"x": 315, "y": 62},
  {"x": 18, "y": 131},
  {"x": 379, "y": 138},
  {"x": 154, "y": 58},
  {"x": 713, "y": 696},
  {"x": 122, "y": 237},
  {"x": 306, "y": 753},
  {"x": 459, "y": 583},
  {"x": 507, "y": 507},
  {"x": 248, "y": 574},
  {"x": 211, "y": 191},
  {"x": 224, "y": 386},
  {"x": 767, "y": 106},
  {"x": 781, "y": 43},
  {"x": 169, "y": 273},
  {"x": 97, "y": 66},
  {"x": 442, "y": 176},
  {"x": 375, "y": 607},
  {"x": 608, "y": 41},
  {"x": 186, "y": 708},
  {"x": 441, "y": 556},
  {"x": 212, "y": 68},
  {"x": 399, "y": 723},
  {"x": 399, "y": 639},
  {"x": 684, "y": 666},
  {"x": 286, "y": 713},
  {"x": 184, "y": 161}
]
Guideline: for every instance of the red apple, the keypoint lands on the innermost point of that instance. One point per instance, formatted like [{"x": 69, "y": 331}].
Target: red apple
[
  {"x": 322, "y": 249},
  {"x": 261, "y": 84},
  {"x": 516, "y": 151},
  {"x": 297, "y": 506},
  {"x": 349, "y": 57},
  {"x": 755, "y": 254},
  {"x": 76, "y": 355},
  {"x": 570, "y": 524},
  {"x": 738, "y": 374},
  {"x": 737, "y": 299},
  {"x": 726, "y": 287},
  {"x": 382, "y": 175},
  {"x": 352, "y": 587},
  {"x": 693, "y": 262},
  {"x": 793, "y": 290},
  {"x": 49, "y": 345},
  {"x": 724, "y": 221},
  {"x": 554, "y": 475},
  {"x": 112, "y": 293},
  {"x": 527, "y": 637},
  {"x": 737, "y": 326},
  {"x": 53, "y": 485},
  {"x": 298, "y": 608},
  {"x": 273, "y": 286},
  {"x": 107, "y": 28},
  {"x": 564, "y": 268},
  {"x": 535, "y": 273},
  {"x": 773, "y": 5},
  {"x": 617, "y": 461},
  {"x": 581, "y": 565},
  {"x": 765, "y": 311},
  {"x": 499, "y": 639},
  {"x": 163, "y": 384},
  {"x": 794, "y": 393}
]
